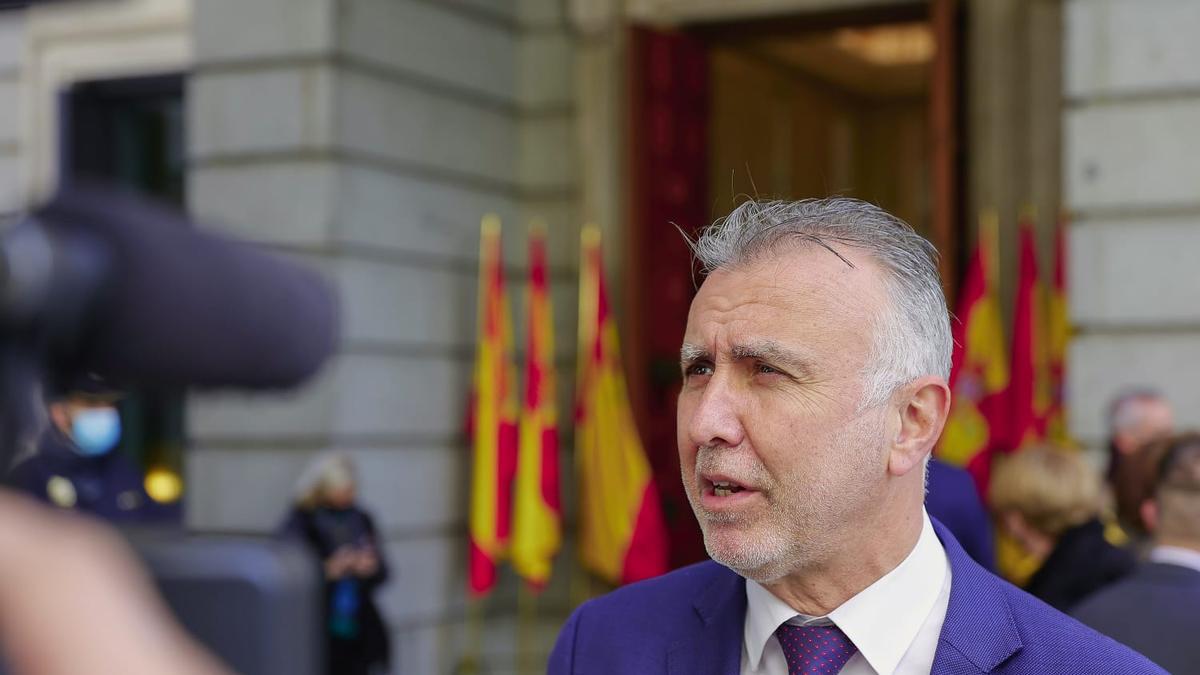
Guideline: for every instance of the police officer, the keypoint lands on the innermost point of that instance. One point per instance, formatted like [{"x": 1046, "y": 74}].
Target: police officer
[{"x": 77, "y": 466}]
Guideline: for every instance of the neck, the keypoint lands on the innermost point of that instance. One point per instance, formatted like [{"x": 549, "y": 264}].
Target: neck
[{"x": 819, "y": 589}]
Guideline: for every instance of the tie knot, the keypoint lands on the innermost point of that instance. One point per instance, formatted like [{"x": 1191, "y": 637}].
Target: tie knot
[{"x": 814, "y": 650}]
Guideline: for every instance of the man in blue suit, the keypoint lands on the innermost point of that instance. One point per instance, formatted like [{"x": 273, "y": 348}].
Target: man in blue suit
[
  {"x": 815, "y": 363},
  {"x": 1156, "y": 610}
]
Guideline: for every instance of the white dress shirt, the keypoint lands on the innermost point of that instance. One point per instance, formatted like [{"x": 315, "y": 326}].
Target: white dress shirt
[
  {"x": 895, "y": 622},
  {"x": 1176, "y": 555}
]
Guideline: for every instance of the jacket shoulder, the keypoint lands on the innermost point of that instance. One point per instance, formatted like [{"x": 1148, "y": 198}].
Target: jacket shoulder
[
  {"x": 662, "y": 596},
  {"x": 630, "y": 629},
  {"x": 1055, "y": 642}
]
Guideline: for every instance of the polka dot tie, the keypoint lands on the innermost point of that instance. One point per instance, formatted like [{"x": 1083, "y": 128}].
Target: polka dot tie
[{"x": 814, "y": 650}]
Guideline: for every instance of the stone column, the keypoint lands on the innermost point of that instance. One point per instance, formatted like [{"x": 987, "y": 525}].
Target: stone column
[
  {"x": 369, "y": 137},
  {"x": 1131, "y": 170},
  {"x": 12, "y": 26}
]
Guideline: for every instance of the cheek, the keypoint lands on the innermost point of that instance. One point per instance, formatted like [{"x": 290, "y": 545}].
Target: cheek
[
  {"x": 683, "y": 410},
  {"x": 685, "y": 407},
  {"x": 791, "y": 441},
  {"x": 687, "y": 451}
]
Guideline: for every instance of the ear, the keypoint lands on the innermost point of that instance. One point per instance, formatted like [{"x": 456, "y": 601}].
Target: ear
[
  {"x": 922, "y": 408},
  {"x": 60, "y": 416},
  {"x": 1149, "y": 513},
  {"x": 1123, "y": 442}
]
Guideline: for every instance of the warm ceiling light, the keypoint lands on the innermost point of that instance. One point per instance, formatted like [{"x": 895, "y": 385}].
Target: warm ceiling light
[{"x": 906, "y": 44}]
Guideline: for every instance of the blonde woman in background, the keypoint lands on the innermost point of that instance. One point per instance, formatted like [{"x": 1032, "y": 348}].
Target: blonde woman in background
[
  {"x": 342, "y": 535},
  {"x": 1048, "y": 500}
]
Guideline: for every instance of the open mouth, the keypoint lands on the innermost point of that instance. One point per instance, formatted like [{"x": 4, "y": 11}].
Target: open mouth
[
  {"x": 721, "y": 487},
  {"x": 725, "y": 488}
]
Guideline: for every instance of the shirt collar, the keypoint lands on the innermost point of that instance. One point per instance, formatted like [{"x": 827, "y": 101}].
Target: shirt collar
[
  {"x": 882, "y": 620},
  {"x": 1176, "y": 555}
]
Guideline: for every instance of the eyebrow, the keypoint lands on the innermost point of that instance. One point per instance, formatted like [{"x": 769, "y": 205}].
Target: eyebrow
[
  {"x": 768, "y": 351},
  {"x": 690, "y": 353}
]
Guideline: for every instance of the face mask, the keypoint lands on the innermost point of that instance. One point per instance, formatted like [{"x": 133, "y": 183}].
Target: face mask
[{"x": 96, "y": 430}]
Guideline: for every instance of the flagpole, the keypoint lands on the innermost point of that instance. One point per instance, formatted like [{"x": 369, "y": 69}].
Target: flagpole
[
  {"x": 483, "y": 532},
  {"x": 526, "y": 627},
  {"x": 471, "y": 662},
  {"x": 526, "y": 601},
  {"x": 989, "y": 231},
  {"x": 577, "y": 591},
  {"x": 589, "y": 237}
]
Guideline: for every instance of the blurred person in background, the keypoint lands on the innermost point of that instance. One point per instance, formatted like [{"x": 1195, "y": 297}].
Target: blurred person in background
[
  {"x": 951, "y": 497},
  {"x": 1156, "y": 610},
  {"x": 342, "y": 535},
  {"x": 1137, "y": 417},
  {"x": 1048, "y": 500},
  {"x": 77, "y": 465}
]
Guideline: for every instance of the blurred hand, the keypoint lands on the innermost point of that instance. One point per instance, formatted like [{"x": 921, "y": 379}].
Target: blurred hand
[
  {"x": 74, "y": 600},
  {"x": 341, "y": 563},
  {"x": 366, "y": 563}
]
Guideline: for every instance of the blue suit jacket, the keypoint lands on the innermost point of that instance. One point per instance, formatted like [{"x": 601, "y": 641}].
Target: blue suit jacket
[{"x": 690, "y": 622}]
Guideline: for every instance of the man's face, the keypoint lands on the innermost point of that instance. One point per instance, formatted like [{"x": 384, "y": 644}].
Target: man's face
[
  {"x": 92, "y": 423},
  {"x": 778, "y": 461},
  {"x": 1153, "y": 420},
  {"x": 1157, "y": 421}
]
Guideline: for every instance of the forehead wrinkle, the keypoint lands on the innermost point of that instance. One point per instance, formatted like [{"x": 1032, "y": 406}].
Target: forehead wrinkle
[{"x": 804, "y": 296}]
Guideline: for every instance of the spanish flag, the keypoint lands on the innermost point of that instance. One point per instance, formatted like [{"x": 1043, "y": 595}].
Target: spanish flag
[
  {"x": 622, "y": 536},
  {"x": 537, "y": 516},
  {"x": 493, "y": 418},
  {"x": 979, "y": 379},
  {"x": 1059, "y": 330},
  {"x": 1029, "y": 391}
]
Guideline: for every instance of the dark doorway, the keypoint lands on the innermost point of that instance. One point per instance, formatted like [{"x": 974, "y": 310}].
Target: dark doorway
[
  {"x": 860, "y": 103},
  {"x": 129, "y": 133}
]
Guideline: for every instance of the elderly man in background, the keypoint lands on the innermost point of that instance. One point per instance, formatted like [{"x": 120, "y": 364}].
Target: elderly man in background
[
  {"x": 815, "y": 363},
  {"x": 1137, "y": 417},
  {"x": 1157, "y": 609}
]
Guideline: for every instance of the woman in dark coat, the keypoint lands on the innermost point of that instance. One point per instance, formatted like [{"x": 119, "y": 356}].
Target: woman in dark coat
[
  {"x": 343, "y": 536},
  {"x": 1048, "y": 500}
]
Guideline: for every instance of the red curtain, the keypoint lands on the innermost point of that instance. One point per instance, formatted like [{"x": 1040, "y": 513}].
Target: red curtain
[{"x": 669, "y": 186}]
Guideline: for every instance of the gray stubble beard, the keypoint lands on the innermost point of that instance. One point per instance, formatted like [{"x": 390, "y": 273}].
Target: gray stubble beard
[{"x": 781, "y": 550}]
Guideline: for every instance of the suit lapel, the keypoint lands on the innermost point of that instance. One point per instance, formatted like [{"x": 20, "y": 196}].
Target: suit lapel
[
  {"x": 715, "y": 644},
  {"x": 980, "y": 632},
  {"x": 978, "y": 635}
]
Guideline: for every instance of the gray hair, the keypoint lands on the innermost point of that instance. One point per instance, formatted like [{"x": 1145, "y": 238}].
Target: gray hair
[
  {"x": 911, "y": 340},
  {"x": 1124, "y": 411},
  {"x": 328, "y": 470}
]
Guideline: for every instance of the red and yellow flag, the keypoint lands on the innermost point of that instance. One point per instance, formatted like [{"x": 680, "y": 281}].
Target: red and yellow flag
[
  {"x": 537, "y": 514},
  {"x": 493, "y": 418},
  {"x": 1059, "y": 335},
  {"x": 977, "y": 423},
  {"x": 622, "y": 535},
  {"x": 1029, "y": 391}
]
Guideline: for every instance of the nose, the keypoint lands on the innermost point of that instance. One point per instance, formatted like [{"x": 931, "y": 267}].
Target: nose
[{"x": 715, "y": 420}]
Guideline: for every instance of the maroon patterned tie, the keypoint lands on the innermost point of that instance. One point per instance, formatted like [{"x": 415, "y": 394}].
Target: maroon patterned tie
[{"x": 814, "y": 650}]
